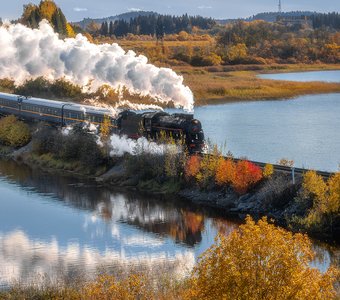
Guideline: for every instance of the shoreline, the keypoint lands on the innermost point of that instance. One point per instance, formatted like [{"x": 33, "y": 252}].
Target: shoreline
[
  {"x": 241, "y": 83},
  {"x": 273, "y": 198}
]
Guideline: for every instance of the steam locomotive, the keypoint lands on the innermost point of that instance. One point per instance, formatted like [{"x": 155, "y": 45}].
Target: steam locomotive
[{"x": 152, "y": 125}]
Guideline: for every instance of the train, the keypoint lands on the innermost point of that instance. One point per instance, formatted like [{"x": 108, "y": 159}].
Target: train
[{"x": 152, "y": 125}]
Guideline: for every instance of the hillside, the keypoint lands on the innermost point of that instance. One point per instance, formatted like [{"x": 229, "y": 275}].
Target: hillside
[
  {"x": 269, "y": 16},
  {"x": 125, "y": 17}
]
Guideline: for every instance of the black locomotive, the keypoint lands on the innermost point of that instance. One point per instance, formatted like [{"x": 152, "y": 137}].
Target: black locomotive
[{"x": 152, "y": 125}]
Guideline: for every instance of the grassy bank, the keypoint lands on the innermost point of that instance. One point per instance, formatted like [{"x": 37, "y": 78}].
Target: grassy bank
[{"x": 220, "y": 84}]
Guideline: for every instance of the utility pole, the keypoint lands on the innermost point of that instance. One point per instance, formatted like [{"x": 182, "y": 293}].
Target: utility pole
[{"x": 280, "y": 7}]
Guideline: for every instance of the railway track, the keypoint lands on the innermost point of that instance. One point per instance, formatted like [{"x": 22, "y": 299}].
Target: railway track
[{"x": 293, "y": 170}]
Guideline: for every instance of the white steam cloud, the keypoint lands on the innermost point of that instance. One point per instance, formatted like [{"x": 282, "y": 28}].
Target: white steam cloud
[
  {"x": 30, "y": 53},
  {"x": 122, "y": 144}
]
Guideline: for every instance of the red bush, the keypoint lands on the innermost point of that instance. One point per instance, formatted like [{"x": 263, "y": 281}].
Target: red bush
[{"x": 247, "y": 175}]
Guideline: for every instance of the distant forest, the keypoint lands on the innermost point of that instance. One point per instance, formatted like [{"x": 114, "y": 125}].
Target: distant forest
[
  {"x": 159, "y": 25},
  {"x": 331, "y": 20},
  {"x": 155, "y": 25}
]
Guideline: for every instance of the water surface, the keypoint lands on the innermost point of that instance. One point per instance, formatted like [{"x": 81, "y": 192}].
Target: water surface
[
  {"x": 326, "y": 76},
  {"x": 52, "y": 225},
  {"x": 305, "y": 129}
]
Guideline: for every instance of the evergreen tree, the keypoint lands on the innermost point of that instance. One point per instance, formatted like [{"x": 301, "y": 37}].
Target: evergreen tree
[
  {"x": 104, "y": 29},
  {"x": 111, "y": 28},
  {"x": 160, "y": 29}
]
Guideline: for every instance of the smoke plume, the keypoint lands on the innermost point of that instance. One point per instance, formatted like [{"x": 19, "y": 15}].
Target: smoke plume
[
  {"x": 122, "y": 144},
  {"x": 30, "y": 53}
]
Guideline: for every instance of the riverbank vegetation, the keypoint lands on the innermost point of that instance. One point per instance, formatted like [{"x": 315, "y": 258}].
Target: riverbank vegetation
[
  {"x": 238, "y": 186},
  {"x": 75, "y": 150},
  {"x": 322, "y": 199},
  {"x": 14, "y": 133},
  {"x": 255, "y": 261}
]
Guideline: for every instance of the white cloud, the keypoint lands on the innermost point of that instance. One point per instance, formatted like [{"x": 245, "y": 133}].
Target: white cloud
[
  {"x": 204, "y": 7},
  {"x": 80, "y": 9},
  {"x": 134, "y": 9}
]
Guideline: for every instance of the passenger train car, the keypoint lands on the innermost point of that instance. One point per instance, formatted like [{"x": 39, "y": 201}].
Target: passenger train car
[{"x": 149, "y": 124}]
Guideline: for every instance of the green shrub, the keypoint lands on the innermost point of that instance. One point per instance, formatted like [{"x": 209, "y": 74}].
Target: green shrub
[
  {"x": 13, "y": 132},
  {"x": 78, "y": 146}
]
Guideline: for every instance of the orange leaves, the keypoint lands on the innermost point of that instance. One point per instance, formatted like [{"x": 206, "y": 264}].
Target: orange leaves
[
  {"x": 241, "y": 175},
  {"x": 226, "y": 172},
  {"x": 192, "y": 166},
  {"x": 247, "y": 175}
]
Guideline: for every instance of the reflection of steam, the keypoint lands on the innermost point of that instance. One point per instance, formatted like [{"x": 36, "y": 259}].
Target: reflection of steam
[
  {"x": 22, "y": 259},
  {"x": 29, "y": 53}
]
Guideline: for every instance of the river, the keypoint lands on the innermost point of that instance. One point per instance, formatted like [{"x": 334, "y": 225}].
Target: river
[
  {"x": 52, "y": 225},
  {"x": 326, "y": 76},
  {"x": 305, "y": 129}
]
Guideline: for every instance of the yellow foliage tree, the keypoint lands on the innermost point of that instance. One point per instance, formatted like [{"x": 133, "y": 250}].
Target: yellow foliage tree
[
  {"x": 208, "y": 166},
  {"x": 105, "y": 128},
  {"x": 69, "y": 30},
  {"x": 260, "y": 261},
  {"x": 47, "y": 8},
  {"x": 333, "y": 203},
  {"x": 268, "y": 170},
  {"x": 237, "y": 52},
  {"x": 225, "y": 172},
  {"x": 326, "y": 200}
]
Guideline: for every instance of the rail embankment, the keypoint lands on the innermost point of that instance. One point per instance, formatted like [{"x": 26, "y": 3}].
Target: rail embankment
[{"x": 308, "y": 203}]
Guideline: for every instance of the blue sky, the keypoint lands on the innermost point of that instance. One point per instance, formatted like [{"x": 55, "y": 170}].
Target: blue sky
[{"x": 76, "y": 10}]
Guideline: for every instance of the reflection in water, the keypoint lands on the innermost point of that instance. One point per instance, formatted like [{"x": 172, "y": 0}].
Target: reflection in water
[
  {"x": 59, "y": 225},
  {"x": 23, "y": 259},
  {"x": 50, "y": 224}
]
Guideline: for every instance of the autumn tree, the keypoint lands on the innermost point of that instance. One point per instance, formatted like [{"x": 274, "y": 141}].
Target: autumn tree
[
  {"x": 13, "y": 132},
  {"x": 237, "y": 53},
  {"x": 260, "y": 261},
  {"x": 325, "y": 201},
  {"x": 247, "y": 175},
  {"x": 192, "y": 166},
  {"x": 225, "y": 172},
  {"x": 105, "y": 128},
  {"x": 208, "y": 167},
  {"x": 48, "y": 10},
  {"x": 268, "y": 170}
]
